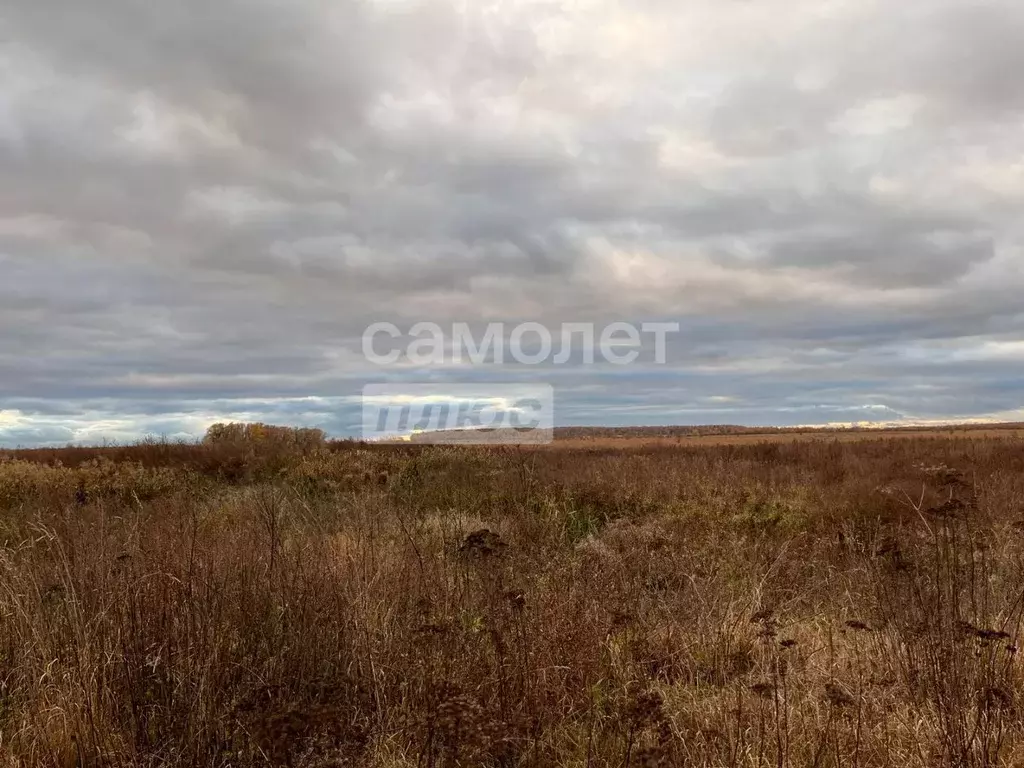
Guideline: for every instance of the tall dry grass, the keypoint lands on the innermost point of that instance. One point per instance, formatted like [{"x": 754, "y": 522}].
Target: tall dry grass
[{"x": 785, "y": 604}]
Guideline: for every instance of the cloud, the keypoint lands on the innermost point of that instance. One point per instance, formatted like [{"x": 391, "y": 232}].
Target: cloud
[{"x": 205, "y": 205}]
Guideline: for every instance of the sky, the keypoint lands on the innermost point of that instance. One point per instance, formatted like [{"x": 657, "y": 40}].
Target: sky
[{"x": 203, "y": 205}]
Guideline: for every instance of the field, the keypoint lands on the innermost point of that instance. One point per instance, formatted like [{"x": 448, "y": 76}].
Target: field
[
  {"x": 822, "y": 599},
  {"x": 640, "y": 438}
]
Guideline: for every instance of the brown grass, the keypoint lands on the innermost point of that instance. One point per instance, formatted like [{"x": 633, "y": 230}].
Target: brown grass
[
  {"x": 789, "y": 603},
  {"x": 669, "y": 437}
]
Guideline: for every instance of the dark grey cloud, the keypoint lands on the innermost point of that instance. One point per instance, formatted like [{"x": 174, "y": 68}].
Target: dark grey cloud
[{"x": 203, "y": 205}]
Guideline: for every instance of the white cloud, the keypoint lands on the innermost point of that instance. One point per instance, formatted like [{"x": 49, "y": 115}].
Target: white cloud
[{"x": 208, "y": 203}]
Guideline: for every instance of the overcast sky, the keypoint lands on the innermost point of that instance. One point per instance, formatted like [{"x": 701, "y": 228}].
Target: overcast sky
[{"x": 204, "y": 203}]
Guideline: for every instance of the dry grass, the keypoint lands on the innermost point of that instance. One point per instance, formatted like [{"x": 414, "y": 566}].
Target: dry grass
[
  {"x": 797, "y": 603},
  {"x": 667, "y": 438}
]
